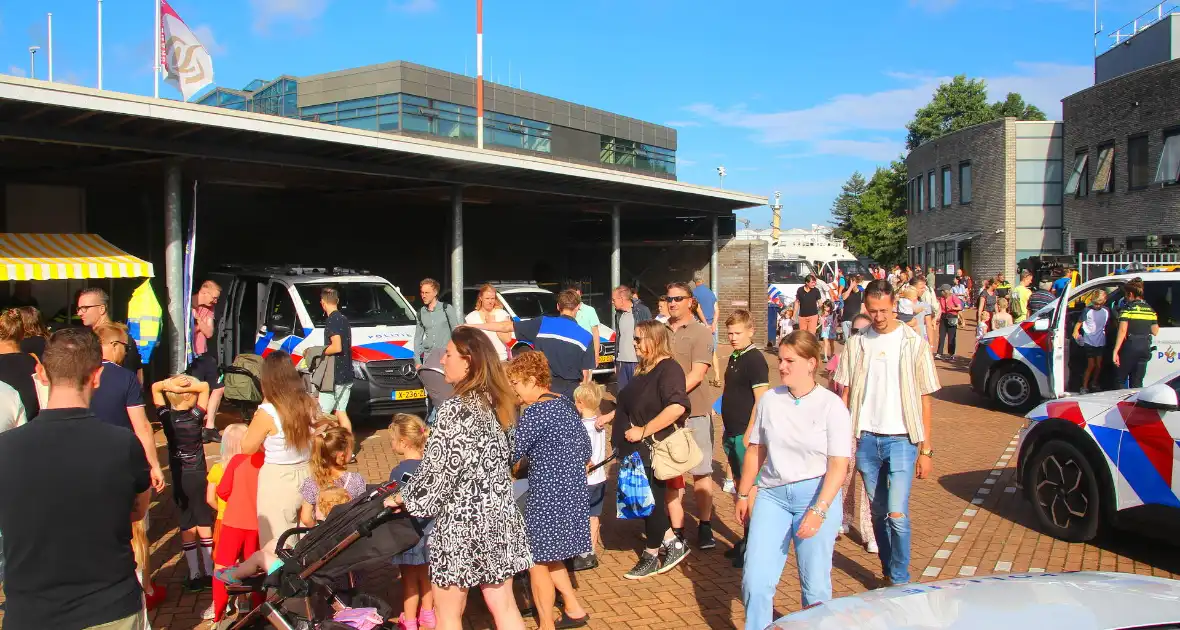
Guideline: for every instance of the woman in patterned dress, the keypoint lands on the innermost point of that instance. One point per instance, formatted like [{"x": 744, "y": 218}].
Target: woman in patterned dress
[
  {"x": 551, "y": 438},
  {"x": 463, "y": 482}
]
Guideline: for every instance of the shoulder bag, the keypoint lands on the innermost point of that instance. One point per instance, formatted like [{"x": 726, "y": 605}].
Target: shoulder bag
[{"x": 674, "y": 455}]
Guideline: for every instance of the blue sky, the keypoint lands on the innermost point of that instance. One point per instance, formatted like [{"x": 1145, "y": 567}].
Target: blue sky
[{"x": 787, "y": 95}]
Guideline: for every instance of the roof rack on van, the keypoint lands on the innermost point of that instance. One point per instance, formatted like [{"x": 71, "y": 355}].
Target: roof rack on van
[{"x": 294, "y": 270}]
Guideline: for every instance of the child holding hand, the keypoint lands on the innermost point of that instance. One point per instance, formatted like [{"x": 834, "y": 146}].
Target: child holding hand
[
  {"x": 588, "y": 400},
  {"x": 408, "y": 433}
]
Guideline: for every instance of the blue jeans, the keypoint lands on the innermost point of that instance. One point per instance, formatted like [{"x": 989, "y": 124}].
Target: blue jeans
[
  {"x": 846, "y": 326},
  {"x": 777, "y": 515},
  {"x": 626, "y": 372},
  {"x": 886, "y": 464}
]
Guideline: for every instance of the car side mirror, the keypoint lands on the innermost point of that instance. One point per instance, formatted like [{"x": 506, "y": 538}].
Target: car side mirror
[
  {"x": 1041, "y": 325},
  {"x": 1160, "y": 396}
]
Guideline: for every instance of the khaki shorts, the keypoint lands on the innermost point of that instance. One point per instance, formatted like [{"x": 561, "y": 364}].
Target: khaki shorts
[
  {"x": 138, "y": 621},
  {"x": 702, "y": 432}
]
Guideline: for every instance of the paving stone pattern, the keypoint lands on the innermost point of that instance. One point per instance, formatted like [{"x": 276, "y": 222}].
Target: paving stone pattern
[{"x": 967, "y": 520}]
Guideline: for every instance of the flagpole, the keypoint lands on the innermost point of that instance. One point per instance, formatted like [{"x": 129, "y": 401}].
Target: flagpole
[
  {"x": 156, "y": 54},
  {"x": 479, "y": 73},
  {"x": 50, "y": 29},
  {"x": 100, "y": 44}
]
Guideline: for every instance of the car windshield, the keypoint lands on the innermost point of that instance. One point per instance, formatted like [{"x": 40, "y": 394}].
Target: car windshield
[
  {"x": 787, "y": 271},
  {"x": 529, "y": 304},
  {"x": 363, "y": 303}
]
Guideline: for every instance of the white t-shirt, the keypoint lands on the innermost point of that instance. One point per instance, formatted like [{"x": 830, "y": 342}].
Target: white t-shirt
[
  {"x": 1094, "y": 327},
  {"x": 597, "y": 451},
  {"x": 881, "y": 410},
  {"x": 498, "y": 315},
  {"x": 12, "y": 411},
  {"x": 799, "y": 438}
]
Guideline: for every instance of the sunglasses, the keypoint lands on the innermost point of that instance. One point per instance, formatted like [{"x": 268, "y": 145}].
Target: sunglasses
[{"x": 676, "y": 298}]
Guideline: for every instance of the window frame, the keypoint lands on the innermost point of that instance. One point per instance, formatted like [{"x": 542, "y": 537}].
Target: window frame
[
  {"x": 969, "y": 188},
  {"x": 933, "y": 186},
  {"x": 1146, "y": 151},
  {"x": 1081, "y": 246},
  {"x": 1172, "y": 133},
  {"x": 947, "y": 186},
  {"x": 921, "y": 193},
  {"x": 1109, "y": 187},
  {"x": 1082, "y": 183}
]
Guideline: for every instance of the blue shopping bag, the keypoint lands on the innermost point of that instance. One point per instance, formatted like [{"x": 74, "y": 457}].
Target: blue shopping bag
[{"x": 634, "y": 498}]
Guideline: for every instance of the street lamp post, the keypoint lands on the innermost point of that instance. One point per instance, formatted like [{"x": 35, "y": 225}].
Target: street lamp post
[
  {"x": 721, "y": 175},
  {"x": 32, "y": 64}
]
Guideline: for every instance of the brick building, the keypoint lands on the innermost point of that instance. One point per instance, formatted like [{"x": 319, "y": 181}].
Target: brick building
[
  {"x": 1122, "y": 147},
  {"x": 985, "y": 197}
]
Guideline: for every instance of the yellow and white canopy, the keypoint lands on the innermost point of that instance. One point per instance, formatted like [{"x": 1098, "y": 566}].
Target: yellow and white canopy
[{"x": 66, "y": 257}]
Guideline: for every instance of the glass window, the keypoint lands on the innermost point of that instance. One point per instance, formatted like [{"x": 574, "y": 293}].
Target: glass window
[
  {"x": 1080, "y": 246},
  {"x": 921, "y": 194},
  {"x": 318, "y": 109},
  {"x": 1104, "y": 178},
  {"x": 1079, "y": 179},
  {"x": 1032, "y": 171},
  {"x": 1168, "y": 170},
  {"x": 965, "y": 182},
  {"x": 1105, "y": 245},
  {"x": 290, "y": 106},
  {"x": 946, "y": 186},
  {"x": 1137, "y": 243},
  {"x": 530, "y": 304},
  {"x": 280, "y": 310},
  {"x": 387, "y": 99},
  {"x": 1137, "y": 176},
  {"x": 415, "y": 100},
  {"x": 414, "y": 122},
  {"x": 932, "y": 187},
  {"x": 363, "y": 303},
  {"x": 387, "y": 122},
  {"x": 1038, "y": 194},
  {"x": 359, "y": 102},
  {"x": 366, "y": 122}
]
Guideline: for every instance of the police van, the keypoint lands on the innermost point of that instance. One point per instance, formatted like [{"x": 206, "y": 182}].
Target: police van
[
  {"x": 1020, "y": 365},
  {"x": 267, "y": 308}
]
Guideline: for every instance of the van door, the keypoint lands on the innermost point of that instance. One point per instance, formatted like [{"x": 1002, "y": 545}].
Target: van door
[
  {"x": 281, "y": 328},
  {"x": 1057, "y": 341},
  {"x": 1162, "y": 296}
]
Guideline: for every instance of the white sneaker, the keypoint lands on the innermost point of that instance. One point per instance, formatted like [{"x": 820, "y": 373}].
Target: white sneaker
[
  {"x": 728, "y": 486},
  {"x": 871, "y": 547}
]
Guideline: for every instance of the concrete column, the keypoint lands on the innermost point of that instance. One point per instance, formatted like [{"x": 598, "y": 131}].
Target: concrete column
[
  {"x": 616, "y": 255},
  {"x": 457, "y": 249},
  {"x": 174, "y": 267},
  {"x": 714, "y": 280}
]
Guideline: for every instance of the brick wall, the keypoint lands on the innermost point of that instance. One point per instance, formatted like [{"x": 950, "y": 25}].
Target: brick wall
[
  {"x": 1142, "y": 102},
  {"x": 991, "y": 149},
  {"x": 742, "y": 268}
]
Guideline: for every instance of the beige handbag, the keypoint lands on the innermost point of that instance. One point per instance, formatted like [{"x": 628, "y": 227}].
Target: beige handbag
[{"x": 674, "y": 455}]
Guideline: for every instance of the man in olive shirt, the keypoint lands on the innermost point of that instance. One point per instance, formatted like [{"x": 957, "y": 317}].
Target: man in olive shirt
[{"x": 692, "y": 347}]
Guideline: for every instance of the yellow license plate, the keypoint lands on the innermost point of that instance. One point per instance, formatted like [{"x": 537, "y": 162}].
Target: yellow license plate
[
  {"x": 606, "y": 359},
  {"x": 409, "y": 394}
]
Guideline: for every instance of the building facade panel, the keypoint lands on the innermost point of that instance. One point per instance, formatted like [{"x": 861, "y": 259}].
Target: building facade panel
[{"x": 1102, "y": 210}]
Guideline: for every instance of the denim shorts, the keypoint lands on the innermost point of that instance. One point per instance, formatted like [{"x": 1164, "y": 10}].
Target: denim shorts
[{"x": 336, "y": 400}]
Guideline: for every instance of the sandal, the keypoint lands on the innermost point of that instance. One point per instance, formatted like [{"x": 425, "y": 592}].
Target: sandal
[
  {"x": 226, "y": 575},
  {"x": 569, "y": 622}
]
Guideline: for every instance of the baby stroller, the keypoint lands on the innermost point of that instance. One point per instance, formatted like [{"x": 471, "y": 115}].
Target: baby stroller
[
  {"x": 303, "y": 595},
  {"x": 243, "y": 384}
]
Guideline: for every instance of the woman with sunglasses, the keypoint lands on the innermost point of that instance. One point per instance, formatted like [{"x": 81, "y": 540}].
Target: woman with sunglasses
[
  {"x": 647, "y": 408},
  {"x": 799, "y": 453}
]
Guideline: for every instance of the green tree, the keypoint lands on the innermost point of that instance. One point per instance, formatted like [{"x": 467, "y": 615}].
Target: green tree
[
  {"x": 846, "y": 203},
  {"x": 878, "y": 227},
  {"x": 963, "y": 103}
]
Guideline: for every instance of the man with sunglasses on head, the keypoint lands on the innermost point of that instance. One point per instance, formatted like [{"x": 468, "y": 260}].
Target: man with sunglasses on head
[
  {"x": 94, "y": 309},
  {"x": 692, "y": 347}
]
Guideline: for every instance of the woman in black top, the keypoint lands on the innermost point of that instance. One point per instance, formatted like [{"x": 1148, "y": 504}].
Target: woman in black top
[
  {"x": 649, "y": 406},
  {"x": 16, "y": 367},
  {"x": 35, "y": 334}
]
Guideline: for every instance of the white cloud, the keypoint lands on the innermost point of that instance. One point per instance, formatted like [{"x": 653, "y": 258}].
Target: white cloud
[
  {"x": 267, "y": 12},
  {"x": 872, "y": 125},
  {"x": 682, "y": 123},
  {"x": 204, "y": 34},
  {"x": 17, "y": 71},
  {"x": 414, "y": 6}
]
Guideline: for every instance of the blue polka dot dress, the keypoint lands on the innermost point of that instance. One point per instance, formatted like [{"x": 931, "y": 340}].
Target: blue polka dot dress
[{"x": 551, "y": 437}]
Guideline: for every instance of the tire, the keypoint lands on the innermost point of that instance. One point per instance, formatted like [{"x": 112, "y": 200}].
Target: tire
[
  {"x": 1064, "y": 492},
  {"x": 1014, "y": 389}
]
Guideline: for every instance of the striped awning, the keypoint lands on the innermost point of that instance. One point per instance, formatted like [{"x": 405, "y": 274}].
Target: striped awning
[{"x": 66, "y": 257}]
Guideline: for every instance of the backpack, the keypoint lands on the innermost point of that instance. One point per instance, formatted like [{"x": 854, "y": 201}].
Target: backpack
[
  {"x": 1017, "y": 307},
  {"x": 242, "y": 379}
]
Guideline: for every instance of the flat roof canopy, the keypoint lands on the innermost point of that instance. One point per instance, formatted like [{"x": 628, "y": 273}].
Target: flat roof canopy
[{"x": 110, "y": 130}]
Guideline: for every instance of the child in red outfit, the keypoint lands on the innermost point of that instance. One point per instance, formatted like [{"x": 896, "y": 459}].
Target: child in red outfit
[{"x": 239, "y": 527}]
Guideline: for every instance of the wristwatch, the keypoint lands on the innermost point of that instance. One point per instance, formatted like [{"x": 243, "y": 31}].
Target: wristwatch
[
  {"x": 928, "y": 452},
  {"x": 743, "y": 497}
]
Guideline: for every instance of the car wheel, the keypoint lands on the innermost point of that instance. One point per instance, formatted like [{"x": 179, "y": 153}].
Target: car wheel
[
  {"x": 1013, "y": 388},
  {"x": 1064, "y": 491}
]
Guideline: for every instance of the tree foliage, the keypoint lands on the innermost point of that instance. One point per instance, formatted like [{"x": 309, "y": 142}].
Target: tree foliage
[
  {"x": 878, "y": 221},
  {"x": 845, "y": 205},
  {"x": 963, "y": 103}
]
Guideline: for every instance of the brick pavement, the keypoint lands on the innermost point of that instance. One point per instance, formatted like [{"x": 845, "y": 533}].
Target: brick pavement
[{"x": 994, "y": 527}]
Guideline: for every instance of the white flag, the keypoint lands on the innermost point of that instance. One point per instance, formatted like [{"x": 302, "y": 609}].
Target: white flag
[{"x": 186, "y": 62}]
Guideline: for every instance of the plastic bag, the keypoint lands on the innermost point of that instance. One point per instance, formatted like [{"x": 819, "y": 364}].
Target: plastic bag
[{"x": 634, "y": 498}]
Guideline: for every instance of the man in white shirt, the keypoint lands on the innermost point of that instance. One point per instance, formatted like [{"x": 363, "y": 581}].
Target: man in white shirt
[
  {"x": 888, "y": 375},
  {"x": 12, "y": 411}
]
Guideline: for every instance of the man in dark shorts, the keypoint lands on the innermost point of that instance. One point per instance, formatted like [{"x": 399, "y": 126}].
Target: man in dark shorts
[
  {"x": 567, "y": 346},
  {"x": 180, "y": 402},
  {"x": 77, "y": 485},
  {"x": 205, "y": 366},
  {"x": 746, "y": 379}
]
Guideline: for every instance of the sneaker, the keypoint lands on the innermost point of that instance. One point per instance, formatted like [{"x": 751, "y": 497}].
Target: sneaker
[
  {"x": 194, "y": 585},
  {"x": 871, "y": 547},
  {"x": 209, "y": 436},
  {"x": 585, "y": 562},
  {"x": 426, "y": 619},
  {"x": 208, "y": 614},
  {"x": 674, "y": 551},
  {"x": 1085, "y": 390},
  {"x": 728, "y": 486},
  {"x": 647, "y": 566},
  {"x": 705, "y": 538}
]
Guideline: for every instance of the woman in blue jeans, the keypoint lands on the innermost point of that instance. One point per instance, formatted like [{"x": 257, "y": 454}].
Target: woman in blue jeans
[{"x": 799, "y": 451}]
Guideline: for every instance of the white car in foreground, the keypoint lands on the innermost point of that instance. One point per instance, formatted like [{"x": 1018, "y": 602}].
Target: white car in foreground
[{"x": 1040, "y": 601}]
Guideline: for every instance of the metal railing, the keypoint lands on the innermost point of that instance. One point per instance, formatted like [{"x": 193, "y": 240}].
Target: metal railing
[
  {"x": 1092, "y": 266},
  {"x": 1134, "y": 27}
]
